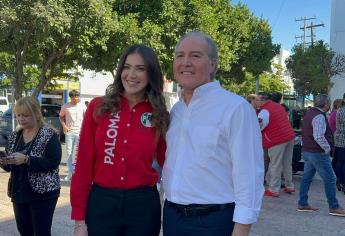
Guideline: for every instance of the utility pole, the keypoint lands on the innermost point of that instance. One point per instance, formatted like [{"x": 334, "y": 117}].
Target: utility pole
[
  {"x": 304, "y": 28},
  {"x": 311, "y": 27},
  {"x": 304, "y": 19}
]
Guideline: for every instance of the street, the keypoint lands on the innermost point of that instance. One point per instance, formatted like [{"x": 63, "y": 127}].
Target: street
[{"x": 278, "y": 215}]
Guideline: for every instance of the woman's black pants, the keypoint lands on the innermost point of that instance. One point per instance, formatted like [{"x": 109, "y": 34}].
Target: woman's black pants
[
  {"x": 117, "y": 212},
  {"x": 35, "y": 218}
]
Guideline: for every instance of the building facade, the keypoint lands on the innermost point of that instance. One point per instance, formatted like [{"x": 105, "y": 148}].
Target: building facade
[{"x": 337, "y": 43}]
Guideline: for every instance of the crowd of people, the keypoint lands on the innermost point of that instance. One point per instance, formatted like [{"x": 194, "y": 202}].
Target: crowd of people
[
  {"x": 322, "y": 146},
  {"x": 216, "y": 152}
]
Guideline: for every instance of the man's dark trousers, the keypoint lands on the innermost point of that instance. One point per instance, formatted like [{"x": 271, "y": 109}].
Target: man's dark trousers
[{"x": 217, "y": 223}]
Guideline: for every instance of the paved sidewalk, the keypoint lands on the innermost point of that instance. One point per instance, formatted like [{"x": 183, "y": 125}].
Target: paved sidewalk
[{"x": 278, "y": 215}]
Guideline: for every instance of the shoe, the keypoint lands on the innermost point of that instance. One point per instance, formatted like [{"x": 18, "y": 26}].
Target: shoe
[
  {"x": 289, "y": 190},
  {"x": 337, "y": 212},
  {"x": 66, "y": 179},
  {"x": 271, "y": 194},
  {"x": 307, "y": 208},
  {"x": 340, "y": 187}
]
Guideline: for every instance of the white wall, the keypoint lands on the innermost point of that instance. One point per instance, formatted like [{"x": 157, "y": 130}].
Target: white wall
[
  {"x": 337, "y": 42},
  {"x": 280, "y": 59},
  {"x": 93, "y": 84}
]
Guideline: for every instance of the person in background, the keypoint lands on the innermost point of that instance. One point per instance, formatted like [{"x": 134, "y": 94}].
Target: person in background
[
  {"x": 332, "y": 124},
  {"x": 33, "y": 157},
  {"x": 71, "y": 117},
  {"x": 277, "y": 97},
  {"x": 332, "y": 116},
  {"x": 317, "y": 141},
  {"x": 113, "y": 189},
  {"x": 251, "y": 98},
  {"x": 214, "y": 164},
  {"x": 296, "y": 117},
  {"x": 339, "y": 154},
  {"x": 278, "y": 139}
]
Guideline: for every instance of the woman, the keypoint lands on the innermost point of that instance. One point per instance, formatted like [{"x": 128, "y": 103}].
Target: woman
[
  {"x": 113, "y": 188},
  {"x": 333, "y": 114},
  {"x": 33, "y": 158},
  {"x": 339, "y": 143}
]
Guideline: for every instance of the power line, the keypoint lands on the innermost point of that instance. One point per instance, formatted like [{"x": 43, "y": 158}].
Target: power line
[
  {"x": 305, "y": 27},
  {"x": 280, "y": 10},
  {"x": 304, "y": 19}
]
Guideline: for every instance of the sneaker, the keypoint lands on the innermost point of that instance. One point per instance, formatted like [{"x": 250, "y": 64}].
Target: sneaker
[
  {"x": 66, "y": 179},
  {"x": 289, "y": 190},
  {"x": 307, "y": 208},
  {"x": 271, "y": 194},
  {"x": 337, "y": 212}
]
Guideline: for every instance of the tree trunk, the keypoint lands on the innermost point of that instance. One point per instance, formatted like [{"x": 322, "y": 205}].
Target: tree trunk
[
  {"x": 50, "y": 64},
  {"x": 20, "y": 53},
  {"x": 18, "y": 79}
]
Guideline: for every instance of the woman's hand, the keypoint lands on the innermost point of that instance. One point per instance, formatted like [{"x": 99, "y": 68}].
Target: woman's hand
[
  {"x": 17, "y": 158},
  {"x": 3, "y": 161},
  {"x": 80, "y": 228}
]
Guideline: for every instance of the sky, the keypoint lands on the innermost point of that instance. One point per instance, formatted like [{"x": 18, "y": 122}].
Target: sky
[{"x": 281, "y": 15}]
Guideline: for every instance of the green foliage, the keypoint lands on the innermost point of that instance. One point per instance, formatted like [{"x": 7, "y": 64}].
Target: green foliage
[
  {"x": 269, "y": 82},
  {"x": 53, "y": 37},
  {"x": 313, "y": 67},
  {"x": 50, "y": 35}
]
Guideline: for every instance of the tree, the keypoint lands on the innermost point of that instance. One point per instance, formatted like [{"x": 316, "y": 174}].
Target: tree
[
  {"x": 313, "y": 68},
  {"x": 55, "y": 36},
  {"x": 270, "y": 82},
  {"x": 239, "y": 35},
  {"x": 49, "y": 35}
]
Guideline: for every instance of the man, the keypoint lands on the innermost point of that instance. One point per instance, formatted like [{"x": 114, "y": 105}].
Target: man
[
  {"x": 213, "y": 174},
  {"x": 277, "y": 97},
  {"x": 278, "y": 139},
  {"x": 317, "y": 141},
  {"x": 71, "y": 117}
]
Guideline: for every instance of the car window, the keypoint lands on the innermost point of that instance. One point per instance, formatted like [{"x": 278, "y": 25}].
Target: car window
[
  {"x": 3, "y": 102},
  {"x": 50, "y": 111}
]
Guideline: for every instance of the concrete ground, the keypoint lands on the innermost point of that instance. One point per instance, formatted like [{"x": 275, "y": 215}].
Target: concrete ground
[{"x": 278, "y": 215}]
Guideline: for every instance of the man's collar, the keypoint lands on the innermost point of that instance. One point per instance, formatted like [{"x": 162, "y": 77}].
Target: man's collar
[
  {"x": 203, "y": 89},
  {"x": 320, "y": 109}
]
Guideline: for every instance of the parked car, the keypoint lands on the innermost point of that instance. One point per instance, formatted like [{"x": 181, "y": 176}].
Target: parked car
[
  {"x": 4, "y": 105},
  {"x": 50, "y": 114}
]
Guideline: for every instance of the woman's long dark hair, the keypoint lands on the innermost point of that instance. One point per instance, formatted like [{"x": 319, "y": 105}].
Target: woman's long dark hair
[{"x": 154, "y": 89}]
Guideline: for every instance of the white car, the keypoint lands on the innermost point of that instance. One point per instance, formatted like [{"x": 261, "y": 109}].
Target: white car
[{"x": 3, "y": 104}]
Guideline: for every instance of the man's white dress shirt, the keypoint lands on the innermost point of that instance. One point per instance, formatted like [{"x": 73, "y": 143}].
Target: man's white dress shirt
[
  {"x": 319, "y": 124},
  {"x": 214, "y": 153}
]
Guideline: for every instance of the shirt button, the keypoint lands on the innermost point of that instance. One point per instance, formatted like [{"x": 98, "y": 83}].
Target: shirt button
[
  {"x": 122, "y": 159},
  {"x": 122, "y": 178},
  {"x": 125, "y": 141},
  {"x": 128, "y": 125},
  {"x": 133, "y": 110}
]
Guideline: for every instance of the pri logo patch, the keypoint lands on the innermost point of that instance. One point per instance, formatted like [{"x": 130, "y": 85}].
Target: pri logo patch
[{"x": 146, "y": 119}]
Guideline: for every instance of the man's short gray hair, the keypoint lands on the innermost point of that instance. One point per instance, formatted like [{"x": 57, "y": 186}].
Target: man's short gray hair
[
  {"x": 321, "y": 100},
  {"x": 212, "y": 47}
]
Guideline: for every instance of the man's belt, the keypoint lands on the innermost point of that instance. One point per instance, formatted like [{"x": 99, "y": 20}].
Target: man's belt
[{"x": 199, "y": 209}]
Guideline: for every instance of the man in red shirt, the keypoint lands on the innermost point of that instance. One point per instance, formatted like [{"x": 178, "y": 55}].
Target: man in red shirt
[{"x": 277, "y": 137}]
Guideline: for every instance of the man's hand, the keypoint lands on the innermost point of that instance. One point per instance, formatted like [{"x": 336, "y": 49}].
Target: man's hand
[
  {"x": 241, "y": 230},
  {"x": 65, "y": 129}
]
